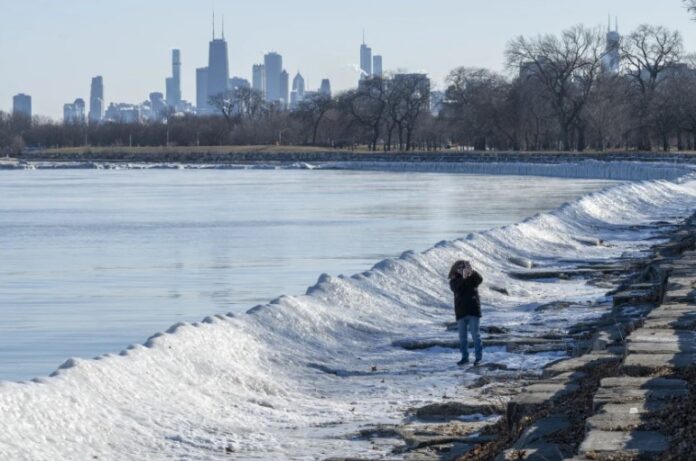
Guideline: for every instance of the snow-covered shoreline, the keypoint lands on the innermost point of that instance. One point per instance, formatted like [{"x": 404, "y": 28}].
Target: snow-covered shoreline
[{"x": 258, "y": 385}]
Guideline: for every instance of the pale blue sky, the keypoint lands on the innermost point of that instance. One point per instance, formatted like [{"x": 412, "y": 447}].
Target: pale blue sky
[{"x": 50, "y": 49}]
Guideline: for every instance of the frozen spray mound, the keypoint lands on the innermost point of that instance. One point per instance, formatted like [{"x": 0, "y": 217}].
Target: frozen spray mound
[{"x": 289, "y": 378}]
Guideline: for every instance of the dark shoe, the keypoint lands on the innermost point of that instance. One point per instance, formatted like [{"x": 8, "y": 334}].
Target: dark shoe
[
  {"x": 477, "y": 362},
  {"x": 463, "y": 362}
]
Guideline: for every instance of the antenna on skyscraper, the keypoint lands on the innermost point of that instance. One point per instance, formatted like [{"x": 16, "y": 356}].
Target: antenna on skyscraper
[
  {"x": 223, "y": 26},
  {"x": 213, "y": 24},
  {"x": 608, "y": 22},
  {"x": 363, "y": 35},
  {"x": 617, "y": 23}
]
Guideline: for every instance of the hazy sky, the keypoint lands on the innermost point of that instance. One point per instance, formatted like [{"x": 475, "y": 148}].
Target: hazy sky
[{"x": 50, "y": 49}]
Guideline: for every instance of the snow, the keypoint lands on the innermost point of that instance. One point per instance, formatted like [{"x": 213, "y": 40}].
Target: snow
[{"x": 293, "y": 379}]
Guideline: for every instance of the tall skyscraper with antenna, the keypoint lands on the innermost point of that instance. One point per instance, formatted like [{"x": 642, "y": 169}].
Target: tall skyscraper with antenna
[
  {"x": 611, "y": 62},
  {"x": 218, "y": 65},
  {"x": 365, "y": 59}
]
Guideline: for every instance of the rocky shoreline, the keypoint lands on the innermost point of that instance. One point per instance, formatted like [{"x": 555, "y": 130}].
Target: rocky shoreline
[{"x": 627, "y": 392}]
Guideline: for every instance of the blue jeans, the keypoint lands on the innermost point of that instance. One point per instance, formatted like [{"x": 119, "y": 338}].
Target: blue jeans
[{"x": 469, "y": 324}]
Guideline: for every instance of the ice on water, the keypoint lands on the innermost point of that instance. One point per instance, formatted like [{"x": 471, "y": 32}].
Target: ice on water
[{"x": 293, "y": 378}]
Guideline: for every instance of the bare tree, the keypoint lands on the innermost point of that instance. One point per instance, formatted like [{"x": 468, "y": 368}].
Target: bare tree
[
  {"x": 565, "y": 66},
  {"x": 648, "y": 53},
  {"x": 312, "y": 111},
  {"x": 691, "y": 7},
  {"x": 367, "y": 105},
  {"x": 410, "y": 94},
  {"x": 482, "y": 103}
]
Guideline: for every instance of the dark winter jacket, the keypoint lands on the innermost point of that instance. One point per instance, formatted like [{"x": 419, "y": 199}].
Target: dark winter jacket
[{"x": 466, "y": 297}]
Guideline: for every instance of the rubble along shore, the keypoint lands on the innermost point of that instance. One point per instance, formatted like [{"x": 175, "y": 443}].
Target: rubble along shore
[{"x": 627, "y": 394}]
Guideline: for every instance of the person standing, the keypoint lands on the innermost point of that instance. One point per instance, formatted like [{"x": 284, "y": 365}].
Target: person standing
[{"x": 464, "y": 282}]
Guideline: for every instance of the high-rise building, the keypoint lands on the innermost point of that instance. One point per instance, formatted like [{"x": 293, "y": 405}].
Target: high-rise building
[
  {"x": 21, "y": 105},
  {"x": 377, "y": 65},
  {"x": 96, "y": 100},
  {"x": 325, "y": 87},
  {"x": 273, "y": 67},
  {"x": 298, "y": 84},
  {"x": 611, "y": 61},
  {"x": 258, "y": 78},
  {"x": 173, "y": 86},
  {"x": 74, "y": 113},
  {"x": 284, "y": 87},
  {"x": 298, "y": 90},
  {"x": 202, "y": 104},
  {"x": 218, "y": 66},
  {"x": 365, "y": 60}
]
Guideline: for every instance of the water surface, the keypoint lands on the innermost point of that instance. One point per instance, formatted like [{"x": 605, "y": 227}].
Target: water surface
[{"x": 93, "y": 260}]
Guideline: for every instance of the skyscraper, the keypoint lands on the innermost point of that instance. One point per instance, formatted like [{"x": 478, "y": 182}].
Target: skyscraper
[
  {"x": 202, "y": 90},
  {"x": 21, "y": 104},
  {"x": 174, "y": 82},
  {"x": 218, "y": 66},
  {"x": 258, "y": 78},
  {"x": 284, "y": 87},
  {"x": 74, "y": 113},
  {"x": 611, "y": 61},
  {"x": 96, "y": 100},
  {"x": 298, "y": 84},
  {"x": 325, "y": 87},
  {"x": 365, "y": 59},
  {"x": 273, "y": 67},
  {"x": 377, "y": 65},
  {"x": 298, "y": 90}
]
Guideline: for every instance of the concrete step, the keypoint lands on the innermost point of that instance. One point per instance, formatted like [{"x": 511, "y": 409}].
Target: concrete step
[
  {"x": 666, "y": 335},
  {"x": 643, "y": 382},
  {"x": 661, "y": 347},
  {"x": 537, "y": 396},
  {"x": 639, "y": 363},
  {"x": 578, "y": 363},
  {"x": 605, "y": 445},
  {"x": 676, "y": 322},
  {"x": 614, "y": 422},
  {"x": 634, "y": 394}
]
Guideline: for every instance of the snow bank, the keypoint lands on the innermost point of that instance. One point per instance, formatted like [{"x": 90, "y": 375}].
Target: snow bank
[{"x": 290, "y": 378}]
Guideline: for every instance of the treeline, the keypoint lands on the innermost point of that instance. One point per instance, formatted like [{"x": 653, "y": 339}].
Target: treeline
[{"x": 572, "y": 91}]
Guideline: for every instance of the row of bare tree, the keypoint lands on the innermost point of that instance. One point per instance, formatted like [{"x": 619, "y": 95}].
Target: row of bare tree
[{"x": 558, "y": 93}]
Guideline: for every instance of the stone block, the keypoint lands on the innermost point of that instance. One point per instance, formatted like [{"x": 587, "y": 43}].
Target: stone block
[
  {"x": 634, "y": 394},
  {"x": 654, "y": 335},
  {"x": 652, "y": 362},
  {"x": 579, "y": 363},
  {"x": 614, "y": 422},
  {"x": 644, "y": 382},
  {"x": 605, "y": 444},
  {"x": 661, "y": 347}
]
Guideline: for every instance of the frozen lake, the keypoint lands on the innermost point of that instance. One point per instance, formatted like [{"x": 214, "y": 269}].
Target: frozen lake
[{"x": 94, "y": 260}]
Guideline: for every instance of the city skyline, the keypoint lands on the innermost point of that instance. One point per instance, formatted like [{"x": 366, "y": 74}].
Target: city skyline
[{"x": 145, "y": 64}]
